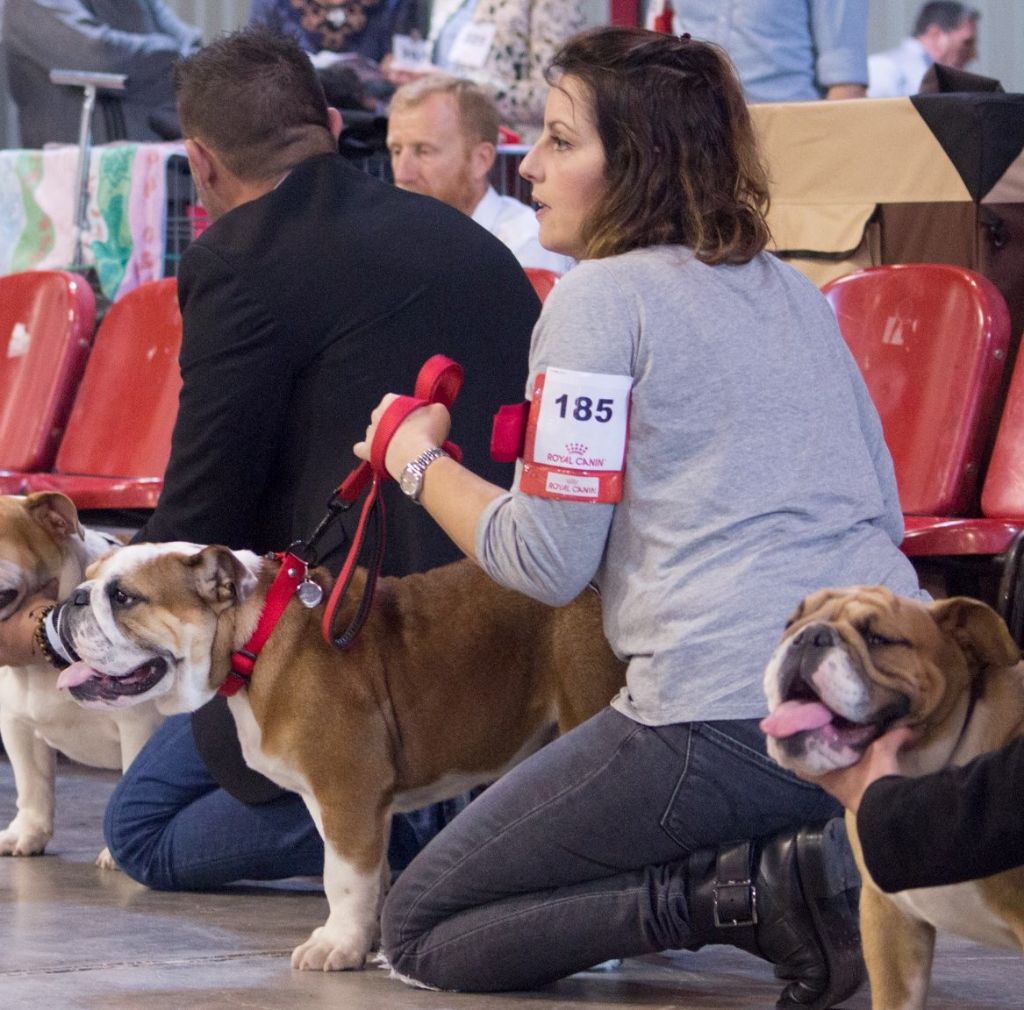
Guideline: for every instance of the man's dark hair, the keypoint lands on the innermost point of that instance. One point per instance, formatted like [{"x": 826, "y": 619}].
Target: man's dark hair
[
  {"x": 944, "y": 13},
  {"x": 254, "y": 98}
]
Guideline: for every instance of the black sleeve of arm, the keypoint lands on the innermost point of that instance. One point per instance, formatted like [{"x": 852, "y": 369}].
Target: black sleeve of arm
[
  {"x": 236, "y": 368},
  {"x": 958, "y": 824}
]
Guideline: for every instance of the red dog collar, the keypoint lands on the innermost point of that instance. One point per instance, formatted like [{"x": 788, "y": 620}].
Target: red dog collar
[{"x": 288, "y": 579}]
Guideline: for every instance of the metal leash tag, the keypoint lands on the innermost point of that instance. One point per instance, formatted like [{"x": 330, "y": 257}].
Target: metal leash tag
[{"x": 309, "y": 593}]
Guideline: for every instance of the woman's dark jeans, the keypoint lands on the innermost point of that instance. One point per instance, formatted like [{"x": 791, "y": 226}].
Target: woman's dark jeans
[{"x": 578, "y": 854}]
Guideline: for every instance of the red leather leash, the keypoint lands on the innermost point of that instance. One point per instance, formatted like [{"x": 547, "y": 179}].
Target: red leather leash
[{"x": 439, "y": 381}]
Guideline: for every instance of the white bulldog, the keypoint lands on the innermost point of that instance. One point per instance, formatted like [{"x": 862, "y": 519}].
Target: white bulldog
[{"x": 43, "y": 545}]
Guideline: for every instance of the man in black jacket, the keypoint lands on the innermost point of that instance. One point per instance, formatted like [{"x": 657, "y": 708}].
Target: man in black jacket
[{"x": 315, "y": 290}]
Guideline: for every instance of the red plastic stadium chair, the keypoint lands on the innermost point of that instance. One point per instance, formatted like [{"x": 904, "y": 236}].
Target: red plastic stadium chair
[
  {"x": 47, "y": 319},
  {"x": 542, "y": 280},
  {"x": 994, "y": 541},
  {"x": 931, "y": 341},
  {"x": 118, "y": 437}
]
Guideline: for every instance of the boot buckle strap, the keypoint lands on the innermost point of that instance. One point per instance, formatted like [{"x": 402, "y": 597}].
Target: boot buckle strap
[
  {"x": 734, "y": 893},
  {"x": 735, "y": 903}
]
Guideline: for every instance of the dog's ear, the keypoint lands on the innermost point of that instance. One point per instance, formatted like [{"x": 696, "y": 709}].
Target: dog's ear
[
  {"x": 221, "y": 578},
  {"x": 56, "y": 513},
  {"x": 977, "y": 629}
]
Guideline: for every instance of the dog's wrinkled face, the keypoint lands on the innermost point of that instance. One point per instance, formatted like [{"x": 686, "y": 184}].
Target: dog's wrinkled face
[
  {"x": 32, "y": 530},
  {"x": 854, "y": 662},
  {"x": 145, "y": 622}
]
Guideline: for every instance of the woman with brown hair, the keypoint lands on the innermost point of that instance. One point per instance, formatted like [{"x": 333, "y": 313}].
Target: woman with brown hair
[{"x": 702, "y": 448}]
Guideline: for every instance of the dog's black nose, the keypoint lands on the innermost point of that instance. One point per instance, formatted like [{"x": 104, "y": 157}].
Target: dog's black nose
[
  {"x": 817, "y": 636},
  {"x": 79, "y": 598}
]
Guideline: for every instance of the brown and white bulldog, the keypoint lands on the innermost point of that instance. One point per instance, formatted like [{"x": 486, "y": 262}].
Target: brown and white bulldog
[
  {"x": 451, "y": 682},
  {"x": 855, "y": 662},
  {"x": 42, "y": 544}
]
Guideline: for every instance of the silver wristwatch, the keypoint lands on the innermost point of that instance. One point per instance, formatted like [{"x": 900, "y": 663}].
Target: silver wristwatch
[{"x": 411, "y": 480}]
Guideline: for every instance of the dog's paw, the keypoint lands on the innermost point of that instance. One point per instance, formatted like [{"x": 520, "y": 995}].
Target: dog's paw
[
  {"x": 323, "y": 952},
  {"x": 24, "y": 839},
  {"x": 105, "y": 861}
]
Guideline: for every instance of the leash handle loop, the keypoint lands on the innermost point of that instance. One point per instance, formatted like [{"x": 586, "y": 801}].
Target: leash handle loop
[{"x": 438, "y": 381}]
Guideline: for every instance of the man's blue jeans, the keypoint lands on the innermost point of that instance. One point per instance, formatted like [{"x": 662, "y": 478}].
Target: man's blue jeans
[
  {"x": 578, "y": 855},
  {"x": 170, "y": 826}
]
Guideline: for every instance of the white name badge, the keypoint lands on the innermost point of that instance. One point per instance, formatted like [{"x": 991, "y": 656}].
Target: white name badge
[
  {"x": 472, "y": 45},
  {"x": 408, "y": 53},
  {"x": 576, "y": 436}
]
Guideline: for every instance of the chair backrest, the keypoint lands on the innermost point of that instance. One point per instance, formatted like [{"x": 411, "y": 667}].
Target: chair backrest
[
  {"x": 47, "y": 319},
  {"x": 931, "y": 341},
  {"x": 1002, "y": 496},
  {"x": 542, "y": 280},
  {"x": 121, "y": 423}
]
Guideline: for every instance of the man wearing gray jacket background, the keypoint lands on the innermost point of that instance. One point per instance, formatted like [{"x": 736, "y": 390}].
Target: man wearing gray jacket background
[{"x": 138, "y": 38}]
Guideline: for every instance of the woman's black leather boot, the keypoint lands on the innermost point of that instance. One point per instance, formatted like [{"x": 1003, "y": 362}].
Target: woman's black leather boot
[{"x": 790, "y": 899}]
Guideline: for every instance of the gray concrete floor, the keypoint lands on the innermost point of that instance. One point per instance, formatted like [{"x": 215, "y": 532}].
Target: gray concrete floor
[{"x": 73, "y": 937}]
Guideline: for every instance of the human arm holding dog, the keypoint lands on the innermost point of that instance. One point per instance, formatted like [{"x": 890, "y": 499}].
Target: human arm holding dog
[
  {"x": 546, "y": 548},
  {"x": 454, "y": 495},
  {"x": 465, "y": 505},
  {"x": 461, "y": 503},
  {"x": 976, "y": 809}
]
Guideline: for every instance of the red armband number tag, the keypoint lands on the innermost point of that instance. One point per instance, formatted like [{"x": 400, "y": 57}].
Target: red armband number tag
[{"x": 576, "y": 436}]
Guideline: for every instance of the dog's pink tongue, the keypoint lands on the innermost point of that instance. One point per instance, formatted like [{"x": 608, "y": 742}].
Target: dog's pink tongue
[
  {"x": 75, "y": 674},
  {"x": 795, "y": 717}
]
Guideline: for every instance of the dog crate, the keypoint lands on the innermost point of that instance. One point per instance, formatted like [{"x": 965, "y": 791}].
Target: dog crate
[{"x": 186, "y": 219}]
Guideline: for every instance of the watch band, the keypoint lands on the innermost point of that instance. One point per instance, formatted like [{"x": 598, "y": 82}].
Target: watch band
[{"x": 411, "y": 481}]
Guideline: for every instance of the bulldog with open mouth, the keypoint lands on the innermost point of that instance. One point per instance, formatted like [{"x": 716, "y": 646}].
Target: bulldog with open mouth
[
  {"x": 42, "y": 544},
  {"x": 452, "y": 680},
  {"x": 855, "y": 662}
]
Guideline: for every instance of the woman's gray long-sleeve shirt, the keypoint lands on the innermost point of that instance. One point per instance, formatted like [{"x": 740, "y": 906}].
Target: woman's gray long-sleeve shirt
[{"x": 755, "y": 473}]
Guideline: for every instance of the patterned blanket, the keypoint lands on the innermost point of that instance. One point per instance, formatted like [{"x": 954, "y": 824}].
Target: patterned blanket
[{"x": 126, "y": 227}]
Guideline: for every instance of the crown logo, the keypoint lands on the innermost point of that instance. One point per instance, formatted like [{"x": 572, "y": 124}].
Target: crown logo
[{"x": 575, "y": 448}]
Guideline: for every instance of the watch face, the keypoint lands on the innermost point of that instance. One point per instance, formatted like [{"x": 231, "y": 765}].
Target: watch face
[{"x": 409, "y": 481}]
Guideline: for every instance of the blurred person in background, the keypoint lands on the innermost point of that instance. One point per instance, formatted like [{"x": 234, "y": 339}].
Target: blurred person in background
[
  {"x": 945, "y": 32},
  {"x": 504, "y": 46},
  {"x": 783, "y": 50},
  {"x": 442, "y": 138},
  {"x": 139, "y": 38},
  {"x": 325, "y": 28},
  {"x": 345, "y": 39}
]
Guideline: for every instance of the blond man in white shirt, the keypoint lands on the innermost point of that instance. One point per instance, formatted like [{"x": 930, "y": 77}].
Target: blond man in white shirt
[{"x": 442, "y": 137}]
